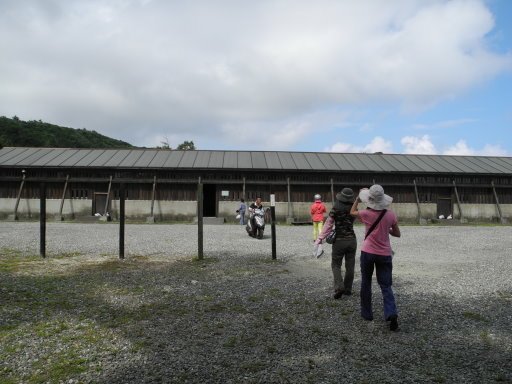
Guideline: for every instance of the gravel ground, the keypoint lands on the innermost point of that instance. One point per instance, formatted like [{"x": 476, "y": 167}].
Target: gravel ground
[{"x": 82, "y": 315}]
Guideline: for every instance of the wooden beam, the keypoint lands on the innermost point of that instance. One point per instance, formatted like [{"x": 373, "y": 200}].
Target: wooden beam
[
  {"x": 105, "y": 212},
  {"x": 18, "y": 197},
  {"x": 200, "y": 219},
  {"x": 417, "y": 202},
  {"x": 153, "y": 196},
  {"x": 63, "y": 197},
  {"x": 42, "y": 220},
  {"x": 502, "y": 221},
  {"x": 461, "y": 217}
]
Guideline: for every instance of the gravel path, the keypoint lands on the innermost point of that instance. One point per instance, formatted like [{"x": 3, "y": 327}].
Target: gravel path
[{"x": 82, "y": 315}]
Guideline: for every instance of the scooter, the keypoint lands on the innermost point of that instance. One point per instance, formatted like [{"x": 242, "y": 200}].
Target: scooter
[{"x": 256, "y": 223}]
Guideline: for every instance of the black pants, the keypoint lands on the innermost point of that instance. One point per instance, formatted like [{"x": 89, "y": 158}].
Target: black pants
[{"x": 343, "y": 249}]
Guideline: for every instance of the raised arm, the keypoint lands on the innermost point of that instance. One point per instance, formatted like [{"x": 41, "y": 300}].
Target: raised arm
[
  {"x": 395, "y": 230},
  {"x": 353, "y": 210}
]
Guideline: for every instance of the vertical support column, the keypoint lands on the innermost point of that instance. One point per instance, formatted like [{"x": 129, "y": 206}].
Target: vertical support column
[
  {"x": 19, "y": 195},
  {"x": 151, "y": 218},
  {"x": 243, "y": 189},
  {"x": 502, "y": 221},
  {"x": 153, "y": 196},
  {"x": 42, "y": 220},
  {"x": 420, "y": 219},
  {"x": 461, "y": 217},
  {"x": 107, "y": 214},
  {"x": 289, "y": 218},
  {"x": 332, "y": 191},
  {"x": 273, "y": 224},
  {"x": 60, "y": 217},
  {"x": 121, "y": 220},
  {"x": 200, "y": 220}
]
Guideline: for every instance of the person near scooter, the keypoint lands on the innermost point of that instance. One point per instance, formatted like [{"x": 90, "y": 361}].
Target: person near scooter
[{"x": 252, "y": 208}]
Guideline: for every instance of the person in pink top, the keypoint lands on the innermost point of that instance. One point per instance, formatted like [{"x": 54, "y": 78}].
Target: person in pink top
[
  {"x": 380, "y": 222},
  {"x": 317, "y": 211}
]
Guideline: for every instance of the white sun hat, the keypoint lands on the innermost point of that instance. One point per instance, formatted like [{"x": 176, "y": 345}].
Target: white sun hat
[{"x": 375, "y": 198}]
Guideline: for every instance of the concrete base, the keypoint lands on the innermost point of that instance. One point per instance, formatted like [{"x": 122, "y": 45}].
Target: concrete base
[
  {"x": 212, "y": 220},
  {"x": 150, "y": 219},
  {"x": 290, "y": 220},
  {"x": 58, "y": 218},
  {"x": 12, "y": 218},
  {"x": 423, "y": 221}
]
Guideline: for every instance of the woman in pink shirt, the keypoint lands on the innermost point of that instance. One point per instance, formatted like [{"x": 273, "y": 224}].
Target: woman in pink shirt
[{"x": 376, "y": 251}]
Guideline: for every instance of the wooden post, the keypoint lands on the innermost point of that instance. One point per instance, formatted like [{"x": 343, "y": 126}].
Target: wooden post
[
  {"x": 121, "y": 220},
  {"x": 461, "y": 218},
  {"x": 19, "y": 196},
  {"x": 42, "y": 220},
  {"x": 63, "y": 197},
  {"x": 420, "y": 221},
  {"x": 273, "y": 224},
  {"x": 332, "y": 191},
  {"x": 200, "y": 220},
  {"x": 289, "y": 200},
  {"x": 497, "y": 202},
  {"x": 153, "y": 196},
  {"x": 106, "y": 213}
]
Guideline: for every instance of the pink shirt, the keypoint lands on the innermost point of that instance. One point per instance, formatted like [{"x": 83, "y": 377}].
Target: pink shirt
[{"x": 378, "y": 241}]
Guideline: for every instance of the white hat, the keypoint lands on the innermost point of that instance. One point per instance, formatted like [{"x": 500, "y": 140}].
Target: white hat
[
  {"x": 318, "y": 197},
  {"x": 375, "y": 197}
]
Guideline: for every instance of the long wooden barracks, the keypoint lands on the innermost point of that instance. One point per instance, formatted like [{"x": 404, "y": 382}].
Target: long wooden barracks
[{"x": 162, "y": 184}]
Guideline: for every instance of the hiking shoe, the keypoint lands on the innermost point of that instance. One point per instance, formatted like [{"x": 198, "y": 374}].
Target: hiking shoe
[
  {"x": 337, "y": 294},
  {"x": 393, "y": 325}
]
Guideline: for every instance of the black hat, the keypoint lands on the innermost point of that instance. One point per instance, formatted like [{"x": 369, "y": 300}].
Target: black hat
[{"x": 345, "y": 196}]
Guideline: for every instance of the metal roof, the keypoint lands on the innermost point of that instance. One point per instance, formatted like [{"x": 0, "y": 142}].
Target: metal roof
[{"x": 245, "y": 160}]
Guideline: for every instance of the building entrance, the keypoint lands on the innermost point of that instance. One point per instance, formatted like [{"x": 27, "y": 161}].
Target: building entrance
[
  {"x": 209, "y": 200},
  {"x": 444, "y": 206}
]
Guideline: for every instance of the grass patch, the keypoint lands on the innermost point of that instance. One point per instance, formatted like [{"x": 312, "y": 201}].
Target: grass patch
[
  {"x": 486, "y": 338},
  {"x": 13, "y": 260},
  {"x": 55, "y": 348},
  {"x": 474, "y": 316},
  {"x": 505, "y": 295},
  {"x": 253, "y": 366}
]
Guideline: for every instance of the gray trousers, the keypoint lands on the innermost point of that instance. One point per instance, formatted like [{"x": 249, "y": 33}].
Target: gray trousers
[{"x": 343, "y": 249}]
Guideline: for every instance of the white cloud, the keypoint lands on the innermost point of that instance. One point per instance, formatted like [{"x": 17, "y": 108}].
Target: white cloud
[
  {"x": 461, "y": 148},
  {"x": 418, "y": 145},
  {"x": 424, "y": 146},
  {"x": 378, "y": 144},
  {"x": 135, "y": 69}
]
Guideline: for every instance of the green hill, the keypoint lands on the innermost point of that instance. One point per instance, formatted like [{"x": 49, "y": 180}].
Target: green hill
[{"x": 18, "y": 133}]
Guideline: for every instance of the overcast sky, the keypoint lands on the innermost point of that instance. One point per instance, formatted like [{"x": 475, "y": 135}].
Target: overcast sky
[{"x": 397, "y": 76}]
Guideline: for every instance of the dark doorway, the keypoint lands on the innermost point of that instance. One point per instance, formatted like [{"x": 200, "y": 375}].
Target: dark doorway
[
  {"x": 209, "y": 200},
  {"x": 444, "y": 206},
  {"x": 100, "y": 199}
]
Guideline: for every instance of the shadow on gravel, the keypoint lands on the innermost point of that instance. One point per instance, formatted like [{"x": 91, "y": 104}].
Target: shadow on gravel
[{"x": 220, "y": 321}]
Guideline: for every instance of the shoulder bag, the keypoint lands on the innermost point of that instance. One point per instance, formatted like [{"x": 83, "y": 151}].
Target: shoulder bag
[{"x": 370, "y": 230}]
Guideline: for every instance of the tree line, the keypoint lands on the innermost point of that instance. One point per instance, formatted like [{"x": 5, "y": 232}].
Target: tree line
[{"x": 36, "y": 133}]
